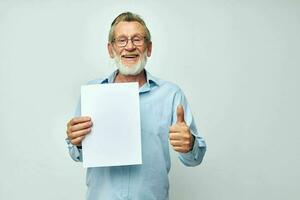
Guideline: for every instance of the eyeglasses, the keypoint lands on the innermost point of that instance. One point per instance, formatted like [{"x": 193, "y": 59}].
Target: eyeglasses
[{"x": 136, "y": 40}]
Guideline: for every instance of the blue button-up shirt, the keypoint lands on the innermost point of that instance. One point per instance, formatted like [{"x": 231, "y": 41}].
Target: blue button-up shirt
[{"x": 149, "y": 181}]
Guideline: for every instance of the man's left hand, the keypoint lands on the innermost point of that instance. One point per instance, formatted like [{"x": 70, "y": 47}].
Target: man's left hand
[{"x": 180, "y": 136}]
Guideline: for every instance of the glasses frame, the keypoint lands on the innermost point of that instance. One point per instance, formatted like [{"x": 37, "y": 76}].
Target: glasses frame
[{"x": 144, "y": 38}]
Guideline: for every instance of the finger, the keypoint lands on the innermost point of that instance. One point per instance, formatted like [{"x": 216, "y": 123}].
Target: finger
[
  {"x": 176, "y": 128},
  {"x": 179, "y": 149},
  {"x": 180, "y": 114},
  {"x": 77, "y": 120},
  {"x": 176, "y": 143},
  {"x": 80, "y": 126},
  {"x": 80, "y": 133},
  {"x": 175, "y": 136},
  {"x": 77, "y": 141}
]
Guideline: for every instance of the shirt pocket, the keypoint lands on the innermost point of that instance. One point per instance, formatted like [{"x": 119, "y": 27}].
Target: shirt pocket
[{"x": 155, "y": 119}]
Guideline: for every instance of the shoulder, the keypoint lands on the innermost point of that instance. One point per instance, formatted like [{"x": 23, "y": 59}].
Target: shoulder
[
  {"x": 161, "y": 82},
  {"x": 169, "y": 85}
]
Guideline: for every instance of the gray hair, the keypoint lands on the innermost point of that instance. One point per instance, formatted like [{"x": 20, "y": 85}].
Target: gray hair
[{"x": 128, "y": 17}]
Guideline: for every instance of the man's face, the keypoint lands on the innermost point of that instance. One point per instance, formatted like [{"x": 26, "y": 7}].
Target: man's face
[{"x": 130, "y": 55}]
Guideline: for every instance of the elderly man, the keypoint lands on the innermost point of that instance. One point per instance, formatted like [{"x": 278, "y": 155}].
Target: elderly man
[{"x": 165, "y": 115}]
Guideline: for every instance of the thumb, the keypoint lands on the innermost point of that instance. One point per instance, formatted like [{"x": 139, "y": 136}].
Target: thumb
[{"x": 180, "y": 114}]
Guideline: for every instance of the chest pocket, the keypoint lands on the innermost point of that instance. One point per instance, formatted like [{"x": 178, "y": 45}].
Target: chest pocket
[{"x": 155, "y": 119}]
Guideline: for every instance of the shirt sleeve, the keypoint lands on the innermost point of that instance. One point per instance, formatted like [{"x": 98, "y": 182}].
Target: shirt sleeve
[
  {"x": 74, "y": 151},
  {"x": 195, "y": 156}
]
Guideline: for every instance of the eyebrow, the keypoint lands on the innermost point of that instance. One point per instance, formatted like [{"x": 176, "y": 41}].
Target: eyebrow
[{"x": 137, "y": 34}]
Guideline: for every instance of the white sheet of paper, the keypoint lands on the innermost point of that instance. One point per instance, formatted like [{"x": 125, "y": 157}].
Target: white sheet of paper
[{"x": 115, "y": 138}]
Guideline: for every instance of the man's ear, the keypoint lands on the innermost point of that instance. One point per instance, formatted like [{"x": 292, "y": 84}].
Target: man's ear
[
  {"x": 110, "y": 50},
  {"x": 149, "y": 49}
]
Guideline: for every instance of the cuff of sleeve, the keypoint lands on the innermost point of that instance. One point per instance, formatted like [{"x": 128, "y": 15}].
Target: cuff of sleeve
[
  {"x": 74, "y": 151},
  {"x": 195, "y": 156},
  {"x": 194, "y": 153}
]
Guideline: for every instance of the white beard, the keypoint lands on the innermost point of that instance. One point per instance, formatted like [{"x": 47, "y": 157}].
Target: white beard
[{"x": 132, "y": 70}]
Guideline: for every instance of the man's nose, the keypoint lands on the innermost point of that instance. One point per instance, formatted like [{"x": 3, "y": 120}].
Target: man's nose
[{"x": 129, "y": 45}]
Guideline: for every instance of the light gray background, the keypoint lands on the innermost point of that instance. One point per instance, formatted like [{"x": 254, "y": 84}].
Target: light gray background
[{"x": 236, "y": 61}]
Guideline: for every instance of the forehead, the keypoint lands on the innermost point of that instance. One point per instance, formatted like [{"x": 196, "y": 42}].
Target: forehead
[{"x": 129, "y": 29}]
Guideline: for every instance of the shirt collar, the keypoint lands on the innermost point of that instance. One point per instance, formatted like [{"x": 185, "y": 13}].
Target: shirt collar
[{"x": 151, "y": 81}]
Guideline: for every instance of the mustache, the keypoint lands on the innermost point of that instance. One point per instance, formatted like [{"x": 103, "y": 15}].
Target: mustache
[{"x": 135, "y": 53}]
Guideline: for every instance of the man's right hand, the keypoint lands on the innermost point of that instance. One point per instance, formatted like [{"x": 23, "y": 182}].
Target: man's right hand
[{"x": 77, "y": 128}]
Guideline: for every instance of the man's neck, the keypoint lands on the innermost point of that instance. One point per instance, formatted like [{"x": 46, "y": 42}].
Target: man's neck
[{"x": 140, "y": 78}]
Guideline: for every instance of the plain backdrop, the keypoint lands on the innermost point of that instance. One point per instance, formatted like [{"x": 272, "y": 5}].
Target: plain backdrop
[{"x": 236, "y": 61}]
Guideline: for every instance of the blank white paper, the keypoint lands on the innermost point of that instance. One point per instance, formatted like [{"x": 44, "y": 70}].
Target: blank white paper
[{"x": 115, "y": 138}]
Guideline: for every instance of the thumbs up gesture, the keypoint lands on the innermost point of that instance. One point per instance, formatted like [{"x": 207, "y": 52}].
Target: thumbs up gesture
[{"x": 179, "y": 133}]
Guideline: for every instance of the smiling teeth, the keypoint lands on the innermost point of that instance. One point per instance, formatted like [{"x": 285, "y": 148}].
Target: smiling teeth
[{"x": 130, "y": 56}]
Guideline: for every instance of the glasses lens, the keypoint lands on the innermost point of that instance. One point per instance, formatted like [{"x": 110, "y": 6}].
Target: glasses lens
[
  {"x": 136, "y": 41},
  {"x": 121, "y": 42}
]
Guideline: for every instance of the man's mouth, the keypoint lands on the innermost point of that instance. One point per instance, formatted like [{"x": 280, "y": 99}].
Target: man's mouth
[{"x": 130, "y": 56}]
